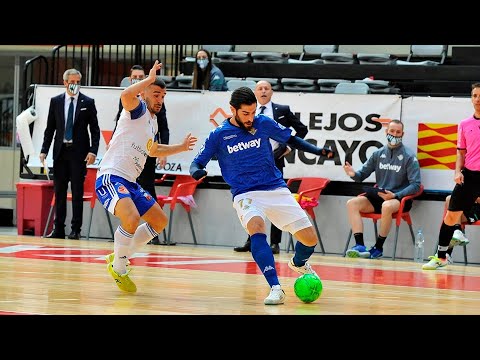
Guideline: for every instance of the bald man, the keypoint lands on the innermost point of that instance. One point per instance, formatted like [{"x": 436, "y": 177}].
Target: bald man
[{"x": 283, "y": 115}]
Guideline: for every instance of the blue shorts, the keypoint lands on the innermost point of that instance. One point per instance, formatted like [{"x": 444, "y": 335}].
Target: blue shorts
[{"x": 111, "y": 188}]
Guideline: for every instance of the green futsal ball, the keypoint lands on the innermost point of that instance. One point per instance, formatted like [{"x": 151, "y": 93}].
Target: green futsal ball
[{"x": 308, "y": 288}]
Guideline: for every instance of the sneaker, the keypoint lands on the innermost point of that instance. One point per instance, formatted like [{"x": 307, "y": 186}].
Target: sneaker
[
  {"x": 434, "y": 263},
  {"x": 123, "y": 281},
  {"x": 458, "y": 238},
  {"x": 305, "y": 269},
  {"x": 375, "y": 253},
  {"x": 358, "y": 251},
  {"x": 449, "y": 259},
  {"x": 109, "y": 258},
  {"x": 276, "y": 296}
]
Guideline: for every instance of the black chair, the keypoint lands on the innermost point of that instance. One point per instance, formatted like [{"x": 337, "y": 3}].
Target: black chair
[{"x": 302, "y": 85}]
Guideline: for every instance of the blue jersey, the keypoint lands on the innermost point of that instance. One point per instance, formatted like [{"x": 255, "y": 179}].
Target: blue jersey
[{"x": 246, "y": 158}]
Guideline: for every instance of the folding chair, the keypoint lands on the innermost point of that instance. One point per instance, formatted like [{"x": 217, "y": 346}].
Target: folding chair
[
  {"x": 183, "y": 189},
  {"x": 89, "y": 195},
  {"x": 308, "y": 188},
  {"x": 398, "y": 216}
]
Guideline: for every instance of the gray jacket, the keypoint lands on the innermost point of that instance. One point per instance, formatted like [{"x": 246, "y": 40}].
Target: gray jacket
[{"x": 395, "y": 169}]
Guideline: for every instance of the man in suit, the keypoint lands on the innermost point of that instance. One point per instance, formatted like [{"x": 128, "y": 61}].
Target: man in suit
[
  {"x": 283, "y": 115},
  {"x": 72, "y": 118}
]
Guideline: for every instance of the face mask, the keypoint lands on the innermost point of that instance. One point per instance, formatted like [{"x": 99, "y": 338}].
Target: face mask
[
  {"x": 393, "y": 140},
  {"x": 134, "y": 81},
  {"x": 202, "y": 63},
  {"x": 74, "y": 88}
]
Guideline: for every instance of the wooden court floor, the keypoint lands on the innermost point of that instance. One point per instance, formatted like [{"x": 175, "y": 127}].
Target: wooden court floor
[{"x": 69, "y": 277}]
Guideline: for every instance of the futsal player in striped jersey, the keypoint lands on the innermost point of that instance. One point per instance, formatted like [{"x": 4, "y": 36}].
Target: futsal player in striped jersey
[
  {"x": 242, "y": 146},
  {"x": 121, "y": 165}
]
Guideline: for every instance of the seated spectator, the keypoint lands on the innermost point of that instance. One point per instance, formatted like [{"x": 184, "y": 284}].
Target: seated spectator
[
  {"x": 397, "y": 172},
  {"x": 206, "y": 75}
]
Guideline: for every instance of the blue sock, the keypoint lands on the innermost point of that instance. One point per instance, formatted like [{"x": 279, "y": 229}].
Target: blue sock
[
  {"x": 263, "y": 256},
  {"x": 302, "y": 253}
]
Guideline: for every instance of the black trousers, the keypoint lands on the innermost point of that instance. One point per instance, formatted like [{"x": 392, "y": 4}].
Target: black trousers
[
  {"x": 68, "y": 169},
  {"x": 147, "y": 176}
]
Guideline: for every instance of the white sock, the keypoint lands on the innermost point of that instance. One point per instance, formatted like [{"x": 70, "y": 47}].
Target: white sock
[
  {"x": 122, "y": 241},
  {"x": 142, "y": 236}
]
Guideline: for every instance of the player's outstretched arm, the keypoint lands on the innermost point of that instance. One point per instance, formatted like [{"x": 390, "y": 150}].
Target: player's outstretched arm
[
  {"x": 301, "y": 144},
  {"x": 197, "y": 171},
  {"x": 166, "y": 150},
  {"x": 129, "y": 97}
]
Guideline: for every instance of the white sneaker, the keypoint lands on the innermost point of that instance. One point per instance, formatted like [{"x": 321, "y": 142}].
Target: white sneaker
[
  {"x": 435, "y": 263},
  {"x": 449, "y": 258},
  {"x": 458, "y": 238},
  {"x": 305, "y": 269},
  {"x": 276, "y": 296}
]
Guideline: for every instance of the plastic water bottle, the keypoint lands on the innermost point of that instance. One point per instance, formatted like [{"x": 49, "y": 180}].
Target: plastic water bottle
[{"x": 419, "y": 247}]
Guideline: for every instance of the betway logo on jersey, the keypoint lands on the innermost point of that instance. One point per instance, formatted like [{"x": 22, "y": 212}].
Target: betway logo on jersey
[
  {"x": 244, "y": 146},
  {"x": 395, "y": 168}
]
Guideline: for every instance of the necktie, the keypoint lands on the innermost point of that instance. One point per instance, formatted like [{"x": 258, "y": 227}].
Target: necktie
[
  {"x": 262, "y": 109},
  {"x": 69, "y": 127}
]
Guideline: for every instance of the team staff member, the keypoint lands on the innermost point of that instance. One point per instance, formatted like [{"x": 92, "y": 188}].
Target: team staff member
[{"x": 75, "y": 146}]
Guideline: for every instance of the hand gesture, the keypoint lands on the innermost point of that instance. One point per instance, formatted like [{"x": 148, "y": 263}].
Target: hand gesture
[
  {"x": 348, "y": 169},
  {"x": 42, "y": 158},
  {"x": 328, "y": 152},
  {"x": 189, "y": 142},
  {"x": 153, "y": 71},
  {"x": 458, "y": 178},
  {"x": 161, "y": 161}
]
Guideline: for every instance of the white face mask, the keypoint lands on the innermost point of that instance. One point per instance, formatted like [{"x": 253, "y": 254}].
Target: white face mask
[
  {"x": 394, "y": 140},
  {"x": 202, "y": 63},
  {"x": 74, "y": 88},
  {"x": 134, "y": 81}
]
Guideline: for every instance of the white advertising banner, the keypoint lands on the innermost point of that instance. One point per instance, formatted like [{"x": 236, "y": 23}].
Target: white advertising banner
[{"x": 344, "y": 122}]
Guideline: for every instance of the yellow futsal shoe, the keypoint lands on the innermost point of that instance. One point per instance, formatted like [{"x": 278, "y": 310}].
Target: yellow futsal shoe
[
  {"x": 109, "y": 259},
  {"x": 123, "y": 281}
]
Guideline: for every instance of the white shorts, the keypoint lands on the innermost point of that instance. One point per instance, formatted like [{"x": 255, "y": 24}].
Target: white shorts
[{"x": 278, "y": 205}]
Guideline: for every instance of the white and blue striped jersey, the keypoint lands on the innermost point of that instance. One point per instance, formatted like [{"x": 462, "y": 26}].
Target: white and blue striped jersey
[
  {"x": 130, "y": 144},
  {"x": 246, "y": 158}
]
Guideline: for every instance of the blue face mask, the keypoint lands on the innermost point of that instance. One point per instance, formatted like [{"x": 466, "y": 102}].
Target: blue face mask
[
  {"x": 394, "y": 140},
  {"x": 202, "y": 63},
  {"x": 74, "y": 88}
]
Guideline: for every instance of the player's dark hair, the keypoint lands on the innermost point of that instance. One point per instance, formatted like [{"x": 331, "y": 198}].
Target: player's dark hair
[
  {"x": 242, "y": 96},
  {"x": 159, "y": 82},
  {"x": 136, "y": 67}
]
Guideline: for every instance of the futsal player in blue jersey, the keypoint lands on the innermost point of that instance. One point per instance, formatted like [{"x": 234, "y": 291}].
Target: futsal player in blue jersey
[{"x": 242, "y": 147}]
